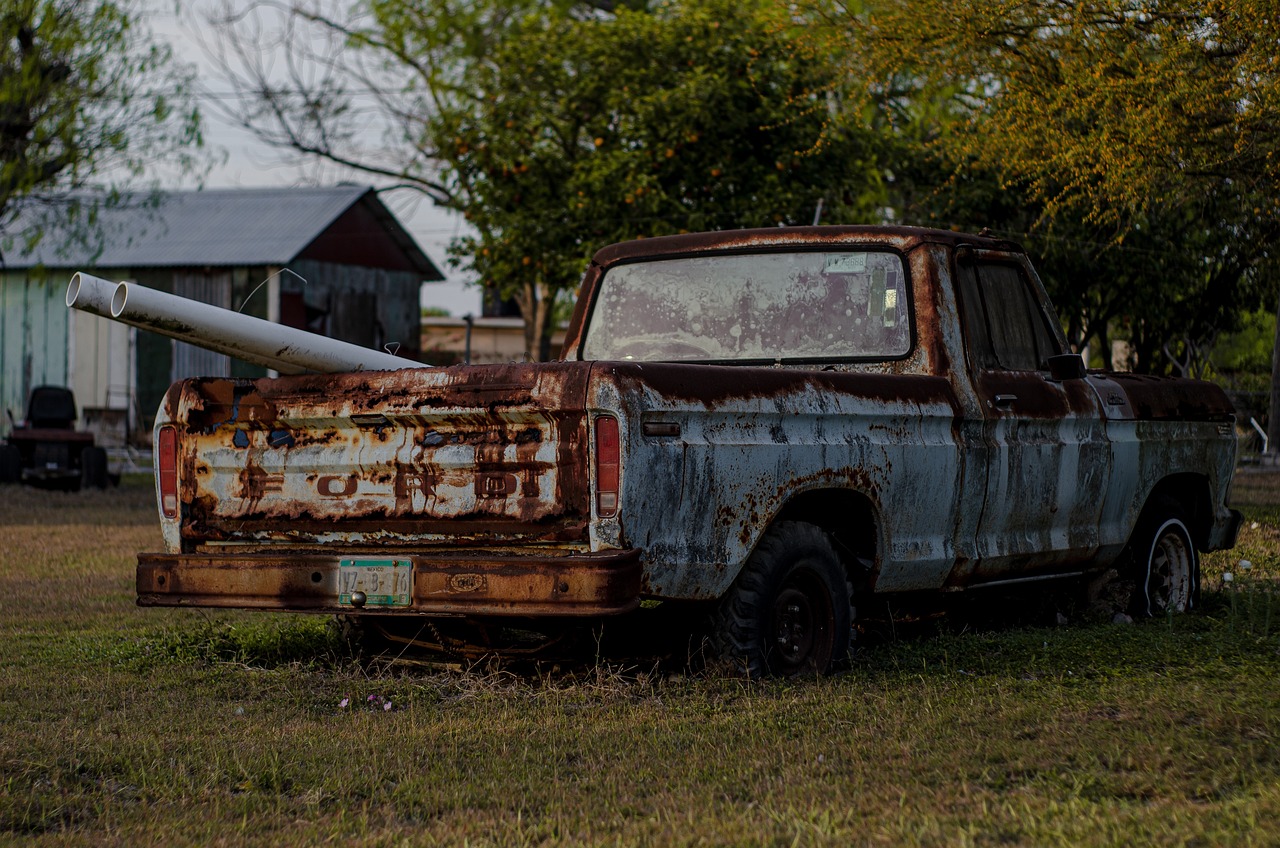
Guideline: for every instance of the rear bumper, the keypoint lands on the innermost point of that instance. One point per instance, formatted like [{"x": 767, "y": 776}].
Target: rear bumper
[{"x": 593, "y": 584}]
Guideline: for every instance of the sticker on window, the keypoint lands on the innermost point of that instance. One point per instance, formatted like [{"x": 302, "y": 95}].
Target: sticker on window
[{"x": 845, "y": 263}]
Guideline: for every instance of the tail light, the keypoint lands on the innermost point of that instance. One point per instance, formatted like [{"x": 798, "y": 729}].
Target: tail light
[
  {"x": 167, "y": 465},
  {"x": 608, "y": 462}
]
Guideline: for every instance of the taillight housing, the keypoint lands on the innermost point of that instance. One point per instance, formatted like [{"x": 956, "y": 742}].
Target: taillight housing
[
  {"x": 167, "y": 469},
  {"x": 608, "y": 465}
]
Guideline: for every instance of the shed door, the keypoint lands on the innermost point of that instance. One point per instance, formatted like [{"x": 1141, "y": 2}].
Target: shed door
[
  {"x": 188, "y": 360},
  {"x": 1048, "y": 463}
]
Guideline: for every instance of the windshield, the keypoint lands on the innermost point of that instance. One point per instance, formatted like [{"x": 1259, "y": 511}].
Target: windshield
[{"x": 769, "y": 306}]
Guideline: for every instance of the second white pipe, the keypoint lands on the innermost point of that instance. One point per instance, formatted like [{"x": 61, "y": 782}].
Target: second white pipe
[{"x": 286, "y": 349}]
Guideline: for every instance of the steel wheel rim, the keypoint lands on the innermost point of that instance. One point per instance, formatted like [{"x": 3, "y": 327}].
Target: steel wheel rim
[
  {"x": 1169, "y": 580},
  {"x": 802, "y": 622}
]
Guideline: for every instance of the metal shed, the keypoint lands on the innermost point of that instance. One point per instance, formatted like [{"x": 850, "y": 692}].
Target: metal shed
[{"x": 332, "y": 260}]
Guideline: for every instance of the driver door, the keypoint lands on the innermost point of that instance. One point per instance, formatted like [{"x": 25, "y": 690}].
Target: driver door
[{"x": 1048, "y": 454}]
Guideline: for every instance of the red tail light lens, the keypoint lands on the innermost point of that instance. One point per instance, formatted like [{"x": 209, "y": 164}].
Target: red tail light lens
[
  {"x": 608, "y": 462},
  {"x": 167, "y": 465}
]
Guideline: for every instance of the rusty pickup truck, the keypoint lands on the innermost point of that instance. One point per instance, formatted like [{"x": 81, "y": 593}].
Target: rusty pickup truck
[{"x": 779, "y": 424}]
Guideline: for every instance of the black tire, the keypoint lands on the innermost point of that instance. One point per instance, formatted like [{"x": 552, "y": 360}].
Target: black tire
[
  {"x": 10, "y": 464},
  {"x": 789, "y": 612},
  {"x": 1166, "y": 564},
  {"x": 93, "y": 468}
]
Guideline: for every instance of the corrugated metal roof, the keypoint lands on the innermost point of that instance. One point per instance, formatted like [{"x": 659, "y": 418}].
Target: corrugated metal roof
[{"x": 214, "y": 227}]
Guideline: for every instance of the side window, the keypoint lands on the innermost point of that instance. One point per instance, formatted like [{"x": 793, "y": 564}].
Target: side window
[
  {"x": 974, "y": 316},
  {"x": 1005, "y": 326}
]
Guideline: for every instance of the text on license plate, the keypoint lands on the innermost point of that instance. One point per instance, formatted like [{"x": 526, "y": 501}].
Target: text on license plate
[{"x": 385, "y": 582}]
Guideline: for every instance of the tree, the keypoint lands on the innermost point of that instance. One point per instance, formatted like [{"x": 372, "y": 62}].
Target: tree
[
  {"x": 86, "y": 100},
  {"x": 558, "y": 126},
  {"x": 356, "y": 84},
  {"x": 1120, "y": 104},
  {"x": 705, "y": 115},
  {"x": 1133, "y": 139},
  {"x": 1168, "y": 284}
]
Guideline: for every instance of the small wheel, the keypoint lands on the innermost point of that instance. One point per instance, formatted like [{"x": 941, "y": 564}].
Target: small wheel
[
  {"x": 93, "y": 468},
  {"x": 789, "y": 611},
  {"x": 10, "y": 464},
  {"x": 1167, "y": 565}
]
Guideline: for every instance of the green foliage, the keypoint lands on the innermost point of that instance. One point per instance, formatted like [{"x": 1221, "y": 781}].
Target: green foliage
[
  {"x": 262, "y": 641},
  {"x": 1120, "y": 104},
  {"x": 1126, "y": 142},
  {"x": 703, "y": 115},
  {"x": 1242, "y": 360},
  {"x": 85, "y": 96},
  {"x": 1250, "y": 348},
  {"x": 1168, "y": 284}
]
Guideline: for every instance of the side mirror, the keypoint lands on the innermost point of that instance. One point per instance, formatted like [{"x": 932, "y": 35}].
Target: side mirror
[{"x": 1066, "y": 366}]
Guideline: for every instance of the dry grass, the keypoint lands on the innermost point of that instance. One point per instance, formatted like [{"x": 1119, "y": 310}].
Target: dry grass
[{"x": 127, "y": 726}]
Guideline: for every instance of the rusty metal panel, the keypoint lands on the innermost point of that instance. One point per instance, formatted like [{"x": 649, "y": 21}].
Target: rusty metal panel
[
  {"x": 1160, "y": 427},
  {"x": 452, "y": 584},
  {"x": 1172, "y": 398},
  {"x": 753, "y": 438},
  {"x": 1151, "y": 451},
  {"x": 416, "y": 457}
]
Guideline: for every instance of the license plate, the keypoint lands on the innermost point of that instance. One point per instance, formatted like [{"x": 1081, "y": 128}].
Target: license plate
[{"x": 385, "y": 582}]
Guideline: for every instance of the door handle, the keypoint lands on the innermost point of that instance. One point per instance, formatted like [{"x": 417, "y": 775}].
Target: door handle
[
  {"x": 661, "y": 428},
  {"x": 1005, "y": 401}
]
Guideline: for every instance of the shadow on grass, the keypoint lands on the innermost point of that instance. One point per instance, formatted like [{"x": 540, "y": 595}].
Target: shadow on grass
[
  {"x": 1228, "y": 631},
  {"x": 1232, "y": 629}
]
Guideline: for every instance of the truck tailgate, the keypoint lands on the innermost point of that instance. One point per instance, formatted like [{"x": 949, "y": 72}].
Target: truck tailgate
[{"x": 415, "y": 458}]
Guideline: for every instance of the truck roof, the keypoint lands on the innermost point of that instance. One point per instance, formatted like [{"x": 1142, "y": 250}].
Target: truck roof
[{"x": 772, "y": 238}]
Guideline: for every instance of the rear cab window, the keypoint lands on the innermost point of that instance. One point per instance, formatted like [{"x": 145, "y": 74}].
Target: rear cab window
[{"x": 806, "y": 306}]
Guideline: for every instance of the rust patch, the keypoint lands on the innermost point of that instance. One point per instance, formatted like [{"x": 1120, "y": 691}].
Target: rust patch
[
  {"x": 780, "y": 238},
  {"x": 712, "y": 386},
  {"x": 547, "y": 584},
  {"x": 1154, "y": 398},
  {"x": 463, "y": 583},
  {"x": 333, "y": 485},
  {"x": 256, "y": 484},
  {"x": 1034, "y": 396},
  {"x": 515, "y": 436},
  {"x": 496, "y": 485}
]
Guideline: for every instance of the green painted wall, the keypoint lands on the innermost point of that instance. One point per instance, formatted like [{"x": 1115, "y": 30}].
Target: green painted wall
[{"x": 33, "y": 337}]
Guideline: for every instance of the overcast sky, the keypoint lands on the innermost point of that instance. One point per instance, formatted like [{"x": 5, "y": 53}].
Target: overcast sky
[{"x": 251, "y": 163}]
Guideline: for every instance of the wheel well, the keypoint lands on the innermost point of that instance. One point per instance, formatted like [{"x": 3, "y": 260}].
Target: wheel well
[
  {"x": 848, "y": 517},
  {"x": 1191, "y": 493}
]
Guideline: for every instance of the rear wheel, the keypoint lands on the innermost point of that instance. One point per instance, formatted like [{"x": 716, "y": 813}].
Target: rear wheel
[
  {"x": 1167, "y": 565},
  {"x": 789, "y": 611}
]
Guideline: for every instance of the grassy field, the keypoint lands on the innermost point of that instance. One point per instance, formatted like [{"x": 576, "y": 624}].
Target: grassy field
[{"x": 128, "y": 726}]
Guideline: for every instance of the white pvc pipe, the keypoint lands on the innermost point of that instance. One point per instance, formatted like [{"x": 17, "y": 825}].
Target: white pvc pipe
[
  {"x": 94, "y": 294},
  {"x": 286, "y": 349},
  {"x": 90, "y": 294}
]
